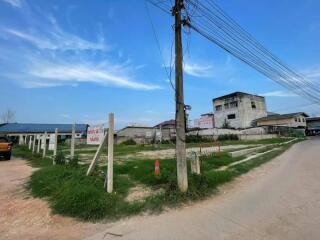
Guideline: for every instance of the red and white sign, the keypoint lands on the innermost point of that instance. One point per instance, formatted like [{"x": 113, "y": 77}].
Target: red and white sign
[{"x": 95, "y": 134}]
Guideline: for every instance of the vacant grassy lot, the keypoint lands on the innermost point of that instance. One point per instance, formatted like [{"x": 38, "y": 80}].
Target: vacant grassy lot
[{"x": 70, "y": 192}]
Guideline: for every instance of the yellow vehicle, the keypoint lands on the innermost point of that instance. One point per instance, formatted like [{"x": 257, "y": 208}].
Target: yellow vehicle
[{"x": 5, "y": 148}]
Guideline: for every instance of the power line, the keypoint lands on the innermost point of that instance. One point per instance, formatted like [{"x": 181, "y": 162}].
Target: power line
[{"x": 168, "y": 72}]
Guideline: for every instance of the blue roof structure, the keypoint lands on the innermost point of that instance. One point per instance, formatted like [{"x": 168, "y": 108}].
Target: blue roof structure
[{"x": 10, "y": 128}]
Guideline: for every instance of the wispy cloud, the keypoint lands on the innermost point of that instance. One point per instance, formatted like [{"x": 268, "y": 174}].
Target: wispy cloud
[
  {"x": 65, "y": 115},
  {"x": 56, "y": 40},
  {"x": 14, "y": 3},
  {"x": 50, "y": 56},
  {"x": 70, "y": 74},
  {"x": 198, "y": 70},
  {"x": 278, "y": 94}
]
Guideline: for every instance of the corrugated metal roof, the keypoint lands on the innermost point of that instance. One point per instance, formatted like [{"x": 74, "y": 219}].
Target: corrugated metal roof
[{"x": 40, "y": 128}]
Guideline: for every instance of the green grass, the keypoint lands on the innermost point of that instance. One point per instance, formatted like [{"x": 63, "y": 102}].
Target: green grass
[
  {"x": 122, "y": 150},
  {"x": 70, "y": 192}
]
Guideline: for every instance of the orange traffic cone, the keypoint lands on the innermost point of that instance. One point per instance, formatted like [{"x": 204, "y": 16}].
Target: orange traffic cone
[{"x": 156, "y": 168}]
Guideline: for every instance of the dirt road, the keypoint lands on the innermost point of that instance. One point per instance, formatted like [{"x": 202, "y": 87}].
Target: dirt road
[{"x": 280, "y": 200}]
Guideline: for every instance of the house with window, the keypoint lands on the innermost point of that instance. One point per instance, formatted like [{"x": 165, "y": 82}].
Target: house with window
[
  {"x": 238, "y": 110},
  {"x": 292, "y": 120}
]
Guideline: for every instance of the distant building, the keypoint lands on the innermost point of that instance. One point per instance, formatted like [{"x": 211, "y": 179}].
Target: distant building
[
  {"x": 313, "y": 125},
  {"x": 39, "y": 128},
  {"x": 167, "y": 124},
  {"x": 238, "y": 110},
  {"x": 139, "y": 134},
  {"x": 293, "y": 120},
  {"x": 205, "y": 121}
]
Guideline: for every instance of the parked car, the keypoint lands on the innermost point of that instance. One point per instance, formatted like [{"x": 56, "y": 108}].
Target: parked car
[{"x": 5, "y": 148}]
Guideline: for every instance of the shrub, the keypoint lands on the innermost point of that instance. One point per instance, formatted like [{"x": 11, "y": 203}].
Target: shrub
[
  {"x": 197, "y": 139},
  {"x": 129, "y": 142},
  {"x": 226, "y": 137},
  {"x": 60, "y": 158},
  {"x": 74, "y": 161}
]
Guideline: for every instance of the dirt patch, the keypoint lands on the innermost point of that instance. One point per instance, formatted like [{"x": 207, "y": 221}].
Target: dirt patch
[
  {"x": 141, "y": 192},
  {"x": 25, "y": 217}
]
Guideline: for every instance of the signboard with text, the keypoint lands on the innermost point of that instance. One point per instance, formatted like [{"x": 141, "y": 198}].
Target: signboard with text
[{"x": 95, "y": 134}]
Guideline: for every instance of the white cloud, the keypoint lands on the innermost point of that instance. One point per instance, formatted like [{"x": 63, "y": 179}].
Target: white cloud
[
  {"x": 63, "y": 73},
  {"x": 14, "y": 3},
  {"x": 54, "y": 57},
  {"x": 56, "y": 40},
  {"x": 65, "y": 115},
  {"x": 278, "y": 94},
  {"x": 198, "y": 70}
]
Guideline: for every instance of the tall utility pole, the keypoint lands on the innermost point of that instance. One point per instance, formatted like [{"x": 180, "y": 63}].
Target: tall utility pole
[{"x": 182, "y": 174}]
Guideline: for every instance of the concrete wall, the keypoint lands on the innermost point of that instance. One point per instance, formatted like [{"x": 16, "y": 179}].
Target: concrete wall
[
  {"x": 246, "y": 134},
  {"x": 244, "y": 112},
  {"x": 144, "y": 135}
]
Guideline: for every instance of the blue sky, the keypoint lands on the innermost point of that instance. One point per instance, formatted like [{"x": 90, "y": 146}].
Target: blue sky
[{"x": 65, "y": 61}]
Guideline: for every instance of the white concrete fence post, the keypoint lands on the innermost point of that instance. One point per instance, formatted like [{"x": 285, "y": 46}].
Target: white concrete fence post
[
  {"x": 195, "y": 163},
  {"x": 73, "y": 140},
  {"x": 44, "y": 141},
  {"x": 55, "y": 148},
  {"x": 39, "y": 143},
  {"x": 34, "y": 143},
  {"x": 30, "y": 142},
  {"x": 110, "y": 153}
]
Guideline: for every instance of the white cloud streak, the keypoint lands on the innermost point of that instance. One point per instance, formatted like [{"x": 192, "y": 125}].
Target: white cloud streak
[
  {"x": 14, "y": 3},
  {"x": 60, "y": 74},
  {"x": 56, "y": 40},
  {"x": 278, "y": 94},
  {"x": 49, "y": 56},
  {"x": 197, "y": 70}
]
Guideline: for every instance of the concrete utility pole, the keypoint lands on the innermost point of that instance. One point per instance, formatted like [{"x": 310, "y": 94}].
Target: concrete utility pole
[
  {"x": 73, "y": 140},
  {"x": 182, "y": 174},
  {"x": 44, "y": 140},
  {"x": 55, "y": 148},
  {"x": 110, "y": 153}
]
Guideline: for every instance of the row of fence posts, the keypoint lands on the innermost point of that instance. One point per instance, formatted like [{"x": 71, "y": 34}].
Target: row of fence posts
[{"x": 39, "y": 141}]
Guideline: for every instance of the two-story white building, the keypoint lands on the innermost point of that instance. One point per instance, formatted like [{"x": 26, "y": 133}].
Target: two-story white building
[{"x": 238, "y": 110}]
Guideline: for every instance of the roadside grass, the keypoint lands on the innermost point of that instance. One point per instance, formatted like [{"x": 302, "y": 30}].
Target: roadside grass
[
  {"x": 122, "y": 149},
  {"x": 70, "y": 192}
]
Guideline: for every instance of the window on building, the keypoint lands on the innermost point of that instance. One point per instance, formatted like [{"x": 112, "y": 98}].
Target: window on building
[
  {"x": 253, "y": 105},
  {"x": 234, "y": 104},
  {"x": 231, "y": 116},
  {"x": 299, "y": 119},
  {"x": 226, "y": 105},
  {"x": 218, "y": 107},
  {"x": 303, "y": 120},
  {"x": 296, "y": 119}
]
